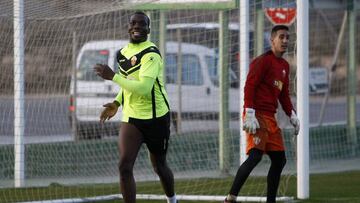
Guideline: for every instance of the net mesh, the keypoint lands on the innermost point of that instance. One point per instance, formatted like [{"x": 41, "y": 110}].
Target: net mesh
[{"x": 79, "y": 159}]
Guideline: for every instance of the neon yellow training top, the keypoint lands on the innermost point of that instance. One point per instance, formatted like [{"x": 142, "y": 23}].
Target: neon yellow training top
[{"x": 140, "y": 77}]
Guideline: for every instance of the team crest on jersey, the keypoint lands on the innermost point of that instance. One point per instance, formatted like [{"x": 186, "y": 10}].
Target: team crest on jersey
[
  {"x": 283, "y": 73},
  {"x": 133, "y": 60},
  {"x": 256, "y": 140},
  {"x": 278, "y": 84}
]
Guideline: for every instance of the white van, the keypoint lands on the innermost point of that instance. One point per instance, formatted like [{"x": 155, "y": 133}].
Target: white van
[{"x": 199, "y": 86}]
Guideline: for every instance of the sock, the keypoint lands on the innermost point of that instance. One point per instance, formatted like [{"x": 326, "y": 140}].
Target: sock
[
  {"x": 231, "y": 197},
  {"x": 171, "y": 199}
]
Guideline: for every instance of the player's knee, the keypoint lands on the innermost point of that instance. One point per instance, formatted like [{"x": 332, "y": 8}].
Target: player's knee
[
  {"x": 156, "y": 169},
  {"x": 279, "y": 164},
  {"x": 159, "y": 167},
  {"x": 282, "y": 162},
  {"x": 278, "y": 159},
  {"x": 255, "y": 159},
  {"x": 125, "y": 169}
]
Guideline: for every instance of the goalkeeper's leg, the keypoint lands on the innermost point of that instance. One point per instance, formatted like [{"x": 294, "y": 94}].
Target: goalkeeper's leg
[
  {"x": 245, "y": 169},
  {"x": 278, "y": 162}
]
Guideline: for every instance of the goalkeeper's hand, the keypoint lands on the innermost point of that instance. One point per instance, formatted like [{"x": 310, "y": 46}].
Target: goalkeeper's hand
[
  {"x": 109, "y": 111},
  {"x": 295, "y": 122},
  {"x": 250, "y": 123}
]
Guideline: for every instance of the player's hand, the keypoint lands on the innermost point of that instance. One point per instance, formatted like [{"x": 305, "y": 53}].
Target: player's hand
[
  {"x": 109, "y": 111},
  {"x": 250, "y": 123},
  {"x": 104, "y": 71},
  {"x": 295, "y": 122}
]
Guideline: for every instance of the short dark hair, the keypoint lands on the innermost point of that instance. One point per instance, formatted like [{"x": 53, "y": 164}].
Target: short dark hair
[
  {"x": 141, "y": 13},
  {"x": 277, "y": 28}
]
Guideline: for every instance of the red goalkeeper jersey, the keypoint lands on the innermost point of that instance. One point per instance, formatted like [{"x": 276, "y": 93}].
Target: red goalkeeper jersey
[{"x": 266, "y": 83}]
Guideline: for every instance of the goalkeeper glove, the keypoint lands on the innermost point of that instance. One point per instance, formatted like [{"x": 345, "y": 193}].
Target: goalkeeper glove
[
  {"x": 250, "y": 123},
  {"x": 295, "y": 122},
  {"x": 109, "y": 111}
]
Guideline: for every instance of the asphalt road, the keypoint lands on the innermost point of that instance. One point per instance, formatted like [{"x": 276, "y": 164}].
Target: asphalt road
[
  {"x": 47, "y": 118},
  {"x": 44, "y": 116}
]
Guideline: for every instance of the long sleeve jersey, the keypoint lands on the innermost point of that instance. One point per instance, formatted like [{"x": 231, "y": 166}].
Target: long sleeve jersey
[
  {"x": 142, "y": 94},
  {"x": 266, "y": 83}
]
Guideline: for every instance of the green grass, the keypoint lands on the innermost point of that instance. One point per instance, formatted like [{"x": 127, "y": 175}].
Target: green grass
[
  {"x": 337, "y": 187},
  {"x": 334, "y": 187}
]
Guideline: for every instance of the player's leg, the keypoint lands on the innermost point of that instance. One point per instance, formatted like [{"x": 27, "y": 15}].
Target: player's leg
[
  {"x": 255, "y": 146},
  {"x": 244, "y": 171},
  {"x": 165, "y": 174},
  {"x": 156, "y": 138},
  {"x": 278, "y": 162},
  {"x": 130, "y": 140},
  {"x": 276, "y": 151}
]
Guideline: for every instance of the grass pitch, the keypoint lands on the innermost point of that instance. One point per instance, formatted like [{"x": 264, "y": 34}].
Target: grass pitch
[{"x": 341, "y": 187}]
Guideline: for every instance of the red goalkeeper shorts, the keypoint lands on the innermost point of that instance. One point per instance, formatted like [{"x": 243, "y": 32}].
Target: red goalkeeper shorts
[{"x": 268, "y": 137}]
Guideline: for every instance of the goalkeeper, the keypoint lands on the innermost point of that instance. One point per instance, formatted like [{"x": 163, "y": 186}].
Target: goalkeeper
[
  {"x": 267, "y": 83},
  {"x": 145, "y": 108}
]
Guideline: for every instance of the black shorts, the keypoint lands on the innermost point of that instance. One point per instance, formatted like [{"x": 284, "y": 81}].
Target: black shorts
[{"x": 156, "y": 132}]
